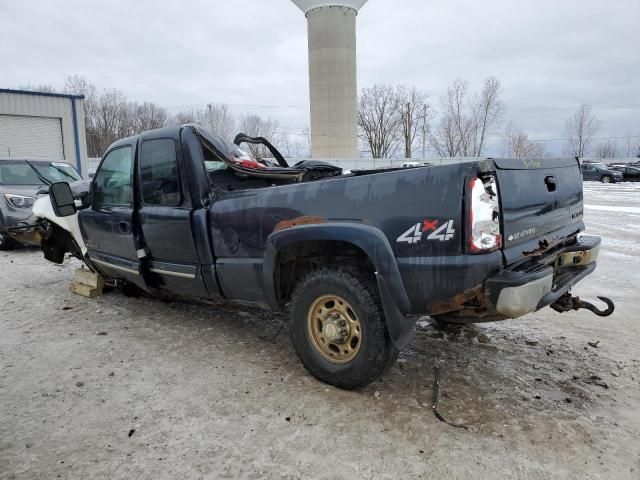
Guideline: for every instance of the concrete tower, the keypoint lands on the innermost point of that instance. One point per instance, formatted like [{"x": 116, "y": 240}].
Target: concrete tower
[{"x": 332, "y": 76}]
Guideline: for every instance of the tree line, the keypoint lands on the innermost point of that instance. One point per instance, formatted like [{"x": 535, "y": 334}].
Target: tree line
[
  {"x": 109, "y": 116},
  {"x": 393, "y": 121}
]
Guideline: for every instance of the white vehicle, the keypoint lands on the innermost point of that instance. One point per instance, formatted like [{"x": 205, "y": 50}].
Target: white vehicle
[{"x": 410, "y": 164}]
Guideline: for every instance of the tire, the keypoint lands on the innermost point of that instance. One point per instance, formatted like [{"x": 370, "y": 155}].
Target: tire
[
  {"x": 7, "y": 243},
  {"x": 355, "y": 296},
  {"x": 606, "y": 179}
]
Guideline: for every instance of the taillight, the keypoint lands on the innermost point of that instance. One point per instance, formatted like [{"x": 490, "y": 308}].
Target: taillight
[{"x": 484, "y": 215}]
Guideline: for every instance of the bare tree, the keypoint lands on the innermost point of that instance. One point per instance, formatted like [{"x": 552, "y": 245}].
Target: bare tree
[
  {"x": 109, "y": 116},
  {"x": 487, "y": 110},
  {"x": 306, "y": 133},
  {"x": 256, "y": 126},
  {"x": 220, "y": 120},
  {"x": 414, "y": 111},
  {"x": 607, "y": 149},
  {"x": 444, "y": 139},
  {"x": 148, "y": 116},
  {"x": 44, "y": 88},
  {"x": 465, "y": 122},
  {"x": 186, "y": 116},
  {"x": 633, "y": 145},
  {"x": 111, "y": 121},
  {"x": 580, "y": 130},
  {"x": 79, "y": 85},
  {"x": 516, "y": 143},
  {"x": 380, "y": 120},
  {"x": 454, "y": 133}
]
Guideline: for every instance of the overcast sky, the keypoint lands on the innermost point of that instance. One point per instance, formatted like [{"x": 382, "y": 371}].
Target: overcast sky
[{"x": 550, "y": 55}]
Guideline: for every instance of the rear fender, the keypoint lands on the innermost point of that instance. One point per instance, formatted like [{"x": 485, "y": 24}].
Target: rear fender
[{"x": 374, "y": 244}]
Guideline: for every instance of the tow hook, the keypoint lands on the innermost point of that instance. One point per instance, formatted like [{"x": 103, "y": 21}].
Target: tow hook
[{"x": 567, "y": 302}]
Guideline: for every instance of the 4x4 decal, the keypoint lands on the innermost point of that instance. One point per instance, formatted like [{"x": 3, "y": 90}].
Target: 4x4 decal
[{"x": 438, "y": 231}]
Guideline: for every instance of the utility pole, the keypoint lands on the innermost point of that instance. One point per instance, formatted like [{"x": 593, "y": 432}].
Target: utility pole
[
  {"x": 210, "y": 117},
  {"x": 407, "y": 138},
  {"x": 424, "y": 130}
]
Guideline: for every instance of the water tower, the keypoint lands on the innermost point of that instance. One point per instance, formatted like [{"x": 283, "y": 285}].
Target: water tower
[{"x": 333, "y": 90}]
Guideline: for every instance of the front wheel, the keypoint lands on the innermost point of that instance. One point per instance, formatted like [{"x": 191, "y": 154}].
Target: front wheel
[
  {"x": 338, "y": 329},
  {"x": 606, "y": 179}
]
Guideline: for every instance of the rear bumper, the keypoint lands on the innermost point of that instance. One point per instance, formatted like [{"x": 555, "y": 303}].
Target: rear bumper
[{"x": 518, "y": 291}]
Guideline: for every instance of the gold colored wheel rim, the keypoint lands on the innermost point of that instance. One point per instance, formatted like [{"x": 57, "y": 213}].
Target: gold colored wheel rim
[{"x": 334, "y": 328}]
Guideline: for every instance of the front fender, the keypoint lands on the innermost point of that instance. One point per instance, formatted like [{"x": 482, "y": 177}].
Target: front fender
[
  {"x": 42, "y": 208},
  {"x": 374, "y": 244}
]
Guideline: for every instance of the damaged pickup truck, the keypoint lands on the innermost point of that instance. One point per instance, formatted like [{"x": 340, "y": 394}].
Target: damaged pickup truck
[{"x": 353, "y": 257}]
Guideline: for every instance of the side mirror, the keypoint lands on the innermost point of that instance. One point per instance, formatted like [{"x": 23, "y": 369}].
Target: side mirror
[{"x": 62, "y": 199}]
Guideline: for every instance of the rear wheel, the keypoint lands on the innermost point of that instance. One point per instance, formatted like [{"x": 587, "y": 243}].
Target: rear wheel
[
  {"x": 338, "y": 329},
  {"x": 7, "y": 243},
  {"x": 606, "y": 179}
]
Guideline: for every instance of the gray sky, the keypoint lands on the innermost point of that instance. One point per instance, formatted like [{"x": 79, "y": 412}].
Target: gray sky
[{"x": 550, "y": 55}]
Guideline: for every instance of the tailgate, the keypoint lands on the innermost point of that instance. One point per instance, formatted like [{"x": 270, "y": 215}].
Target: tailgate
[{"x": 541, "y": 199}]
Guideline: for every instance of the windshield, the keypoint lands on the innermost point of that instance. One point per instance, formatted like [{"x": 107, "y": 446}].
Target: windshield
[
  {"x": 600, "y": 166},
  {"x": 56, "y": 171},
  {"x": 18, "y": 173}
]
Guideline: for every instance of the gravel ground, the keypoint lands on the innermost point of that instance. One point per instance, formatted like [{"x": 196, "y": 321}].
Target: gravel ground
[{"x": 120, "y": 387}]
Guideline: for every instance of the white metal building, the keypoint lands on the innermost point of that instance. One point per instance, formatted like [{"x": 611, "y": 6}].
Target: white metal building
[{"x": 43, "y": 125}]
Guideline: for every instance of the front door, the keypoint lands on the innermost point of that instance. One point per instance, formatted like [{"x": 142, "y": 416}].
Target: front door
[{"x": 108, "y": 226}]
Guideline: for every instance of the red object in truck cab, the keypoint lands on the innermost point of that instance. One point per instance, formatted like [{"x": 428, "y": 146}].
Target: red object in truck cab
[{"x": 248, "y": 163}]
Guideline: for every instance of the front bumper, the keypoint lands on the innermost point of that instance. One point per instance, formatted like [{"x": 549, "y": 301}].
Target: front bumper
[
  {"x": 15, "y": 219},
  {"x": 536, "y": 284}
]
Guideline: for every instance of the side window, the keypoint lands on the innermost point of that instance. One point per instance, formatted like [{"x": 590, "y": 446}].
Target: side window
[
  {"x": 159, "y": 173},
  {"x": 112, "y": 182}
]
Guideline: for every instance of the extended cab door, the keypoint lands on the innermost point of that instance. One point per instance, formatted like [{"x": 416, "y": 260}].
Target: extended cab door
[
  {"x": 108, "y": 225},
  {"x": 165, "y": 217}
]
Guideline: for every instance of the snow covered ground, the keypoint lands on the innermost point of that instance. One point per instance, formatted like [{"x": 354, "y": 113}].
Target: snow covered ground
[
  {"x": 133, "y": 388},
  {"x": 613, "y": 212}
]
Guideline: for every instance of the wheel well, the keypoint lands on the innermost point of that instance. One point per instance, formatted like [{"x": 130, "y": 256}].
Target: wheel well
[
  {"x": 56, "y": 242},
  {"x": 296, "y": 260}
]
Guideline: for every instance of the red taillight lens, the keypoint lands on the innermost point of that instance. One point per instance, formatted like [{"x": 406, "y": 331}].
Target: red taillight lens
[{"x": 484, "y": 215}]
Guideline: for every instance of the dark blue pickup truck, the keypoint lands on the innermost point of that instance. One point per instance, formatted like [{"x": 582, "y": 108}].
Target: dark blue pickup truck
[{"x": 353, "y": 257}]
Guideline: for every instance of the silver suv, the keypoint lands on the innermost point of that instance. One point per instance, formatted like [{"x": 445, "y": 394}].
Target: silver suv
[{"x": 21, "y": 180}]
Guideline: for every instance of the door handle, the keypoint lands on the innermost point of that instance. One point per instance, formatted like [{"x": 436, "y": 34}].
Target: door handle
[
  {"x": 551, "y": 183},
  {"x": 124, "y": 228}
]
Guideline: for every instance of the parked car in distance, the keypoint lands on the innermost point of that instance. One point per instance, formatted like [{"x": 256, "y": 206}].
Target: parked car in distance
[
  {"x": 20, "y": 181},
  {"x": 600, "y": 173},
  {"x": 411, "y": 164},
  {"x": 629, "y": 173}
]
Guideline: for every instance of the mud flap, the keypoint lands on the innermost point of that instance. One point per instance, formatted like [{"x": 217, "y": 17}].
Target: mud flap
[{"x": 400, "y": 326}]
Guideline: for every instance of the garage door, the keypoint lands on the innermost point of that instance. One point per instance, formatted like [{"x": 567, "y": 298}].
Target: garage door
[{"x": 39, "y": 137}]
